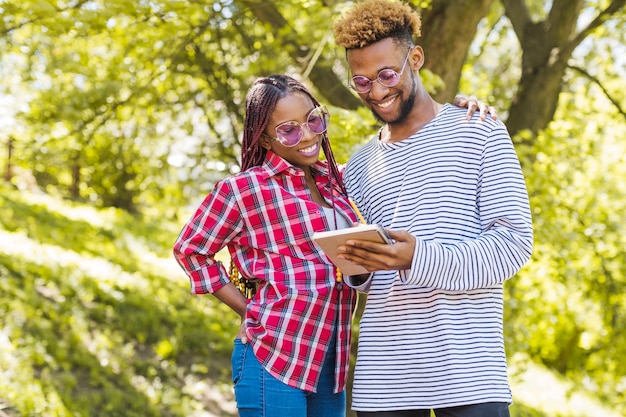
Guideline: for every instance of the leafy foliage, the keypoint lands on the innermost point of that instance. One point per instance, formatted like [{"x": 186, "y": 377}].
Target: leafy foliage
[
  {"x": 133, "y": 99},
  {"x": 96, "y": 321},
  {"x": 567, "y": 307},
  {"x": 138, "y": 106}
]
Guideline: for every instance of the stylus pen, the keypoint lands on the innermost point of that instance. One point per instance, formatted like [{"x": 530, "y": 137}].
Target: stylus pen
[{"x": 358, "y": 213}]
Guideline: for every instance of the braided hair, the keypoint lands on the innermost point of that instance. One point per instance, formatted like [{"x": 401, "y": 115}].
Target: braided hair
[{"x": 260, "y": 104}]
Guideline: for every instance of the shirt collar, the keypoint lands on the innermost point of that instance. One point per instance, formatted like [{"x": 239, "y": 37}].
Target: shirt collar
[{"x": 275, "y": 165}]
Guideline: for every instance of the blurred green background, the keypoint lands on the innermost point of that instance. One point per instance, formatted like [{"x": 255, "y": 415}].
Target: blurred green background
[{"x": 116, "y": 118}]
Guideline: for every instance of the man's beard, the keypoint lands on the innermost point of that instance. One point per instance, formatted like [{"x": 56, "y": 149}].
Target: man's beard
[{"x": 405, "y": 108}]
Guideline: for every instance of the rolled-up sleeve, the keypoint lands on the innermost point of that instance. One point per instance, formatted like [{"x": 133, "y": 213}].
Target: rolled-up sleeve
[{"x": 213, "y": 224}]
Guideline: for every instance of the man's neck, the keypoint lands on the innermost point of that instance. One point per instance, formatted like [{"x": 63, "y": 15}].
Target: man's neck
[{"x": 423, "y": 112}]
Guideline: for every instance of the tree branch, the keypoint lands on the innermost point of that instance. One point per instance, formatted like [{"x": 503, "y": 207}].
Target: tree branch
[
  {"x": 6, "y": 30},
  {"x": 602, "y": 17},
  {"x": 518, "y": 14},
  {"x": 561, "y": 20},
  {"x": 596, "y": 81},
  {"x": 321, "y": 74}
]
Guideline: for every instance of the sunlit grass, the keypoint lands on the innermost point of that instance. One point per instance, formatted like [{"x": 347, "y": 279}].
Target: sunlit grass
[
  {"x": 106, "y": 328},
  {"x": 535, "y": 385},
  {"x": 96, "y": 319}
]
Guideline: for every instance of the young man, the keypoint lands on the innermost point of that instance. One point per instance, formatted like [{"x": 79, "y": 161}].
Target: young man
[{"x": 452, "y": 194}]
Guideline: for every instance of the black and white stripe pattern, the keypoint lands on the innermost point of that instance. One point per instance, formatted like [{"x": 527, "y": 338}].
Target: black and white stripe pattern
[{"x": 432, "y": 336}]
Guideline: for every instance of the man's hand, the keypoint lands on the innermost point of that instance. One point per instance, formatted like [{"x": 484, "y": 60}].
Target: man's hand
[
  {"x": 379, "y": 256},
  {"x": 473, "y": 104}
]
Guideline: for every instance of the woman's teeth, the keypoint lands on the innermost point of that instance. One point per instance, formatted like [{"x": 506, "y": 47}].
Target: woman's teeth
[{"x": 309, "y": 149}]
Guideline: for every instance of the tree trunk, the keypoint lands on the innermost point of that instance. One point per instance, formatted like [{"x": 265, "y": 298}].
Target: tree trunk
[
  {"x": 545, "y": 52},
  {"x": 535, "y": 102},
  {"x": 547, "y": 47},
  {"x": 448, "y": 29}
]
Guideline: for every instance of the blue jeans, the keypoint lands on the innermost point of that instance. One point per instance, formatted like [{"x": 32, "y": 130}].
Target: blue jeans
[
  {"x": 259, "y": 394},
  {"x": 474, "y": 410}
]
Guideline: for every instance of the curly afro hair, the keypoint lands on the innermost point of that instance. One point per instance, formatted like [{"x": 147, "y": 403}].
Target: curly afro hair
[{"x": 373, "y": 20}]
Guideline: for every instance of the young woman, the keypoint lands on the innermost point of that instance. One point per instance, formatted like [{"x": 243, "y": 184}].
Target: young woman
[{"x": 291, "y": 354}]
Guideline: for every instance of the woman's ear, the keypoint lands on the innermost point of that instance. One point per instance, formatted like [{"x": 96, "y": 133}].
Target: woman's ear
[{"x": 265, "y": 142}]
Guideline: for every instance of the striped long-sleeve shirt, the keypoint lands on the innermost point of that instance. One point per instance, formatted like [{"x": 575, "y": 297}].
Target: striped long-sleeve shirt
[
  {"x": 266, "y": 218},
  {"x": 432, "y": 336}
]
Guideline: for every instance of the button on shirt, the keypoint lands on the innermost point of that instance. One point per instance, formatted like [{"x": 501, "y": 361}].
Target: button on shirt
[{"x": 266, "y": 217}]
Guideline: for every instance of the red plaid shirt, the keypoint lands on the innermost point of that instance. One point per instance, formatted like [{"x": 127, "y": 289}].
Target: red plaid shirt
[{"x": 265, "y": 216}]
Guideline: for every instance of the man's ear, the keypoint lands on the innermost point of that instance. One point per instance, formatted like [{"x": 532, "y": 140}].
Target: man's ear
[
  {"x": 417, "y": 57},
  {"x": 265, "y": 142}
]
